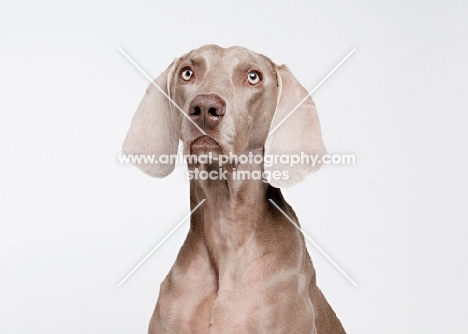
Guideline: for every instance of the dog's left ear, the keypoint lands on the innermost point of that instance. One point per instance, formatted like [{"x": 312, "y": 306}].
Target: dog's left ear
[
  {"x": 298, "y": 135},
  {"x": 154, "y": 129}
]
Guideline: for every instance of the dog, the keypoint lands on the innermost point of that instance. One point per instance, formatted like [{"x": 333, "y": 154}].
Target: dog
[{"x": 244, "y": 267}]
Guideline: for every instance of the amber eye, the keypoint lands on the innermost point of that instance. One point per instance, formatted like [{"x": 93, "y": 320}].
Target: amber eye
[
  {"x": 253, "y": 77},
  {"x": 186, "y": 74}
]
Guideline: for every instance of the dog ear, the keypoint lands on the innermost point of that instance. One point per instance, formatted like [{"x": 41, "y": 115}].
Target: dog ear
[
  {"x": 299, "y": 134},
  {"x": 154, "y": 130}
]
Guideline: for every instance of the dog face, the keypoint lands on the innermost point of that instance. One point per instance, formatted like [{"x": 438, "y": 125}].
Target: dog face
[
  {"x": 229, "y": 93},
  {"x": 226, "y": 101}
]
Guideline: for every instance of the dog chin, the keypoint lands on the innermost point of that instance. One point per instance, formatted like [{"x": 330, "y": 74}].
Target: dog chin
[
  {"x": 203, "y": 146},
  {"x": 208, "y": 147}
]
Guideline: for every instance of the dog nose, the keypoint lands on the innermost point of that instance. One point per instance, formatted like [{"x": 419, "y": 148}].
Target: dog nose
[{"x": 207, "y": 110}]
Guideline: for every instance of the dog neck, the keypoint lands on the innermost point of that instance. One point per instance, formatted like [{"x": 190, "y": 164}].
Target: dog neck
[{"x": 231, "y": 213}]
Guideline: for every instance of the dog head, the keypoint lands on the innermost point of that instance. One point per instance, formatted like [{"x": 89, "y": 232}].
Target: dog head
[{"x": 226, "y": 101}]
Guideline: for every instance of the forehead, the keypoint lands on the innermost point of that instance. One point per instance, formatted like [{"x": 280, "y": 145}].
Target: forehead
[{"x": 212, "y": 55}]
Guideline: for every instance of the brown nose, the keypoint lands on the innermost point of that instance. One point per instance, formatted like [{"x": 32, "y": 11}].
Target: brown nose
[{"x": 207, "y": 110}]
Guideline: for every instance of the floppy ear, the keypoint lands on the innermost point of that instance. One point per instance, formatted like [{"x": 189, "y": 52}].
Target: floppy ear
[
  {"x": 153, "y": 131},
  {"x": 298, "y": 135}
]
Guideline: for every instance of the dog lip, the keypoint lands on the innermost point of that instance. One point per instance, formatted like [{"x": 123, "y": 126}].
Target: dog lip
[
  {"x": 205, "y": 144},
  {"x": 205, "y": 140}
]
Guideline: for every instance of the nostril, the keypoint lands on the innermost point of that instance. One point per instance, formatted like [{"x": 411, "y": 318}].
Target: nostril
[
  {"x": 213, "y": 111},
  {"x": 207, "y": 108}
]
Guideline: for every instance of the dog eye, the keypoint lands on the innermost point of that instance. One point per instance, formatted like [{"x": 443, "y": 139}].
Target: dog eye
[
  {"x": 186, "y": 74},
  {"x": 253, "y": 78}
]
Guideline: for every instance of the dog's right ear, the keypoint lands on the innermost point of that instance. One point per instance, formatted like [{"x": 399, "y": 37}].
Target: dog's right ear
[{"x": 153, "y": 131}]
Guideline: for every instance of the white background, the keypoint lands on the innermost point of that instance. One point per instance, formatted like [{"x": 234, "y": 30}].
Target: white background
[{"x": 74, "y": 221}]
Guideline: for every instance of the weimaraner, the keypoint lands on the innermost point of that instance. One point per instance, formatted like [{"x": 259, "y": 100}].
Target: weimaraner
[{"x": 244, "y": 267}]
